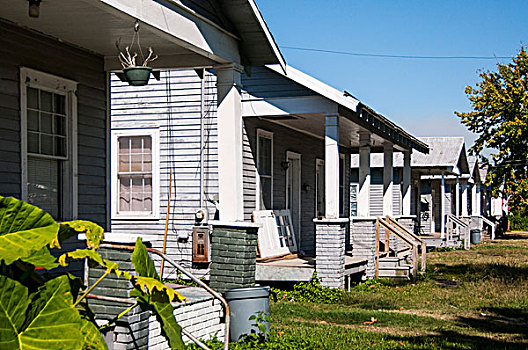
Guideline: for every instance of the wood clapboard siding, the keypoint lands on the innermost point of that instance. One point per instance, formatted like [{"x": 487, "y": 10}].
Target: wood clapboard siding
[
  {"x": 23, "y": 48},
  {"x": 266, "y": 83},
  {"x": 173, "y": 106}
]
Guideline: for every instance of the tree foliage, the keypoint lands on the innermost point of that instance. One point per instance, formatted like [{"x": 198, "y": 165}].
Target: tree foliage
[
  {"x": 500, "y": 117},
  {"x": 40, "y": 311}
]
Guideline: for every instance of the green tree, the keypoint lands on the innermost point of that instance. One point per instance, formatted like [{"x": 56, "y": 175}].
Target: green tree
[{"x": 500, "y": 117}]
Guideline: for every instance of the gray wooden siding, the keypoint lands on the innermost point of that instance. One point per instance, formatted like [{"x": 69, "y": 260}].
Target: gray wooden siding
[
  {"x": 29, "y": 49},
  {"x": 376, "y": 192},
  {"x": 265, "y": 83},
  {"x": 173, "y": 105}
]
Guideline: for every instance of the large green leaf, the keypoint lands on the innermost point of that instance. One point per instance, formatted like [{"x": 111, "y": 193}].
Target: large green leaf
[
  {"x": 155, "y": 293},
  {"x": 142, "y": 262},
  {"x": 92, "y": 338},
  {"x": 169, "y": 327},
  {"x": 94, "y": 233},
  {"x": 14, "y": 302},
  {"x": 95, "y": 257},
  {"x": 24, "y": 231},
  {"x": 44, "y": 320}
]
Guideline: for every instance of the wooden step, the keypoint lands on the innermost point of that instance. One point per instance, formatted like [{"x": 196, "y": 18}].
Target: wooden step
[{"x": 395, "y": 272}]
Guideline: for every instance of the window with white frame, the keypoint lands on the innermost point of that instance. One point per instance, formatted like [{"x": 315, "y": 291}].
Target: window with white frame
[
  {"x": 135, "y": 173},
  {"x": 265, "y": 168},
  {"x": 48, "y": 118}
]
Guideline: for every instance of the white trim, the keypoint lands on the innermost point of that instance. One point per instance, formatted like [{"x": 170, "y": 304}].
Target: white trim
[
  {"x": 295, "y": 156},
  {"x": 154, "y": 134},
  {"x": 51, "y": 83},
  {"x": 269, "y": 135},
  {"x": 342, "y": 200}
]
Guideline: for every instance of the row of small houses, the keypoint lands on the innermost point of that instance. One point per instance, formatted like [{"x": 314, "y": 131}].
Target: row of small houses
[{"x": 227, "y": 130}]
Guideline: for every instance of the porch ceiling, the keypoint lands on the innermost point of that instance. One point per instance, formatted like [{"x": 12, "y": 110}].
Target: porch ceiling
[{"x": 179, "y": 38}]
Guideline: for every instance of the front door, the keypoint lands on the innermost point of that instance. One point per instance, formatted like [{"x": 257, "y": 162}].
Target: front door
[{"x": 293, "y": 191}]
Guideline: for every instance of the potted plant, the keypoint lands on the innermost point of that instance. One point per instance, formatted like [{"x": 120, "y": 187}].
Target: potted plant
[{"x": 136, "y": 75}]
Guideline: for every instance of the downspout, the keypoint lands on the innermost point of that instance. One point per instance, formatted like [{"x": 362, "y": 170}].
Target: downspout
[{"x": 202, "y": 88}]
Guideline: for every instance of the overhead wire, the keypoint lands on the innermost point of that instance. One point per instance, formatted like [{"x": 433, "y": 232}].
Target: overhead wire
[{"x": 365, "y": 54}]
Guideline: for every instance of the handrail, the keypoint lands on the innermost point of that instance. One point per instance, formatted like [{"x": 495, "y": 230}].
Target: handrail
[
  {"x": 490, "y": 223},
  {"x": 407, "y": 240},
  {"x": 461, "y": 224},
  {"x": 422, "y": 243},
  {"x": 194, "y": 279}
]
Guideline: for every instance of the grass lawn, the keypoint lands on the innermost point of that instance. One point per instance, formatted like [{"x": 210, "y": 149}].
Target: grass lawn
[{"x": 475, "y": 299}]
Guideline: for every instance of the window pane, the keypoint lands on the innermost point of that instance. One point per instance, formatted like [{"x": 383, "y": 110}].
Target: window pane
[
  {"x": 59, "y": 104},
  {"x": 123, "y": 145},
  {"x": 43, "y": 184},
  {"x": 45, "y": 101},
  {"x": 60, "y": 146},
  {"x": 265, "y": 184},
  {"x": 135, "y": 162},
  {"x": 46, "y": 144},
  {"x": 33, "y": 142},
  {"x": 264, "y": 157},
  {"x": 59, "y": 127},
  {"x": 32, "y": 120},
  {"x": 124, "y": 165},
  {"x": 135, "y": 144},
  {"x": 147, "y": 162},
  {"x": 45, "y": 123},
  {"x": 124, "y": 193},
  {"x": 32, "y": 98}
]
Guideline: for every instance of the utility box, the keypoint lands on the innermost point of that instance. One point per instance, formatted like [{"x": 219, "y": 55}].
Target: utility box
[{"x": 200, "y": 251}]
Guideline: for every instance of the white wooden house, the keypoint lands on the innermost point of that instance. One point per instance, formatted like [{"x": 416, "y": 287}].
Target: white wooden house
[{"x": 56, "y": 59}]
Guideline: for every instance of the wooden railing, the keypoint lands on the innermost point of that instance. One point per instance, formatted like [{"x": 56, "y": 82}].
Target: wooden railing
[
  {"x": 411, "y": 240},
  {"x": 453, "y": 225},
  {"x": 490, "y": 223}
]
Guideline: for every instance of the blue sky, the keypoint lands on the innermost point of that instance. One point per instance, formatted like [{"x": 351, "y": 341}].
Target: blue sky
[{"x": 419, "y": 95}]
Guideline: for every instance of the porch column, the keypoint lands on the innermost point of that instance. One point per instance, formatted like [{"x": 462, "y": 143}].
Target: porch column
[
  {"x": 406, "y": 184},
  {"x": 332, "y": 167},
  {"x": 363, "y": 209},
  {"x": 442, "y": 209},
  {"x": 229, "y": 113},
  {"x": 463, "y": 187},
  {"x": 457, "y": 197},
  {"x": 388, "y": 178},
  {"x": 474, "y": 198}
]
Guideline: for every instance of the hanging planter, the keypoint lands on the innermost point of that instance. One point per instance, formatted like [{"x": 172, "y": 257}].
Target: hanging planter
[{"x": 135, "y": 74}]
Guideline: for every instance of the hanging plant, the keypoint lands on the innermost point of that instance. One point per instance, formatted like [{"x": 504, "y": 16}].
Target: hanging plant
[{"x": 136, "y": 74}]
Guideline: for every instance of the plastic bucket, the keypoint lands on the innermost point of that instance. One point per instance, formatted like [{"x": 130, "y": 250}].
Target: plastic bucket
[
  {"x": 475, "y": 236},
  {"x": 137, "y": 76},
  {"x": 244, "y": 303}
]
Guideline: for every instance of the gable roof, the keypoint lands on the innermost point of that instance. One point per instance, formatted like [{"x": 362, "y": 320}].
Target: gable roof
[
  {"x": 446, "y": 153},
  {"x": 257, "y": 43},
  {"x": 357, "y": 111}
]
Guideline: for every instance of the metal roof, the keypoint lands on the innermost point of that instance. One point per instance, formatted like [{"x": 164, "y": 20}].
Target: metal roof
[
  {"x": 354, "y": 109},
  {"x": 446, "y": 153}
]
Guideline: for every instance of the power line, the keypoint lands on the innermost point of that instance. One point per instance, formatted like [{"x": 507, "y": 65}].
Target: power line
[{"x": 362, "y": 54}]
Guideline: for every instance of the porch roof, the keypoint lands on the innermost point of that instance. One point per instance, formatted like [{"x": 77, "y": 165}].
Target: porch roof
[
  {"x": 182, "y": 34},
  {"x": 305, "y": 111}
]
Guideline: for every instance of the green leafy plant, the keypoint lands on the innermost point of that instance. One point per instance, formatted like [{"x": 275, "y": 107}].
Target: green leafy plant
[
  {"x": 39, "y": 311},
  {"x": 313, "y": 292}
]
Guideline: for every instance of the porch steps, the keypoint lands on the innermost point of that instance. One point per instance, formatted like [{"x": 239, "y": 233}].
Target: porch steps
[{"x": 395, "y": 267}]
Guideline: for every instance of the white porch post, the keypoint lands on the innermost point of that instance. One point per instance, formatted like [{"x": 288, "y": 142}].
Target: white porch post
[
  {"x": 464, "y": 203},
  {"x": 363, "y": 208},
  {"x": 478, "y": 200},
  {"x": 229, "y": 112},
  {"x": 332, "y": 167},
  {"x": 388, "y": 178},
  {"x": 457, "y": 197},
  {"x": 406, "y": 188},
  {"x": 442, "y": 209},
  {"x": 474, "y": 200}
]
